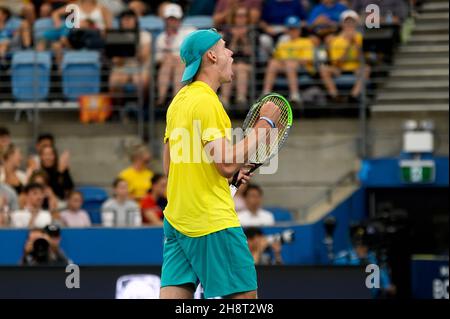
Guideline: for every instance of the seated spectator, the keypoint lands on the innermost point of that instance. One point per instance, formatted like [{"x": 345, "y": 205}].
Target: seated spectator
[
  {"x": 140, "y": 8},
  {"x": 74, "y": 216},
  {"x": 90, "y": 11},
  {"x": 44, "y": 8},
  {"x": 152, "y": 212},
  {"x": 263, "y": 253},
  {"x": 254, "y": 215},
  {"x": 345, "y": 54},
  {"x": 51, "y": 201},
  {"x": 120, "y": 210},
  {"x": 391, "y": 11},
  {"x": 134, "y": 69},
  {"x": 10, "y": 201},
  {"x": 292, "y": 53},
  {"x": 10, "y": 172},
  {"x": 237, "y": 36},
  {"x": 138, "y": 175},
  {"x": 20, "y": 8},
  {"x": 43, "y": 140},
  {"x": 8, "y": 35},
  {"x": 57, "y": 169},
  {"x": 272, "y": 24},
  {"x": 32, "y": 215},
  {"x": 324, "y": 18},
  {"x": 5, "y": 141},
  {"x": 224, "y": 9},
  {"x": 167, "y": 52}
]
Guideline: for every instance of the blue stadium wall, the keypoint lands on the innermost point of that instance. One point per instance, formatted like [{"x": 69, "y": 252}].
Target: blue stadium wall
[{"x": 143, "y": 246}]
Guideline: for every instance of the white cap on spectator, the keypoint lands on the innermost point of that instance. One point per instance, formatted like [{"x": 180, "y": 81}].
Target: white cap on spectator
[
  {"x": 349, "y": 14},
  {"x": 172, "y": 10}
]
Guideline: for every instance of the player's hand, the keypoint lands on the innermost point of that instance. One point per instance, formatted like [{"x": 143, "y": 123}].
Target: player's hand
[
  {"x": 244, "y": 175},
  {"x": 271, "y": 111}
]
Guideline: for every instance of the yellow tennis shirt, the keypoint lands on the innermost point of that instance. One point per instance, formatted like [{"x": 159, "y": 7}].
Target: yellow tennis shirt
[
  {"x": 139, "y": 182},
  {"x": 199, "y": 198}
]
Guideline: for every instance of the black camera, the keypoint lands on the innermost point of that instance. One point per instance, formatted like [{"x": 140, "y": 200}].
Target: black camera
[{"x": 41, "y": 251}]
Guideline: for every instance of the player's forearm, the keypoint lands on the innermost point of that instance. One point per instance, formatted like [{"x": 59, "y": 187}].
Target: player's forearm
[{"x": 236, "y": 156}]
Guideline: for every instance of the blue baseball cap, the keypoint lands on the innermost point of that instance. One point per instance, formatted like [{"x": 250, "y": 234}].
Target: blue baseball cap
[
  {"x": 192, "y": 49},
  {"x": 292, "y": 22}
]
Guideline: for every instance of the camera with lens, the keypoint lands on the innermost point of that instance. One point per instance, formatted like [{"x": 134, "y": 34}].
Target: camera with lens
[
  {"x": 285, "y": 237},
  {"x": 41, "y": 251}
]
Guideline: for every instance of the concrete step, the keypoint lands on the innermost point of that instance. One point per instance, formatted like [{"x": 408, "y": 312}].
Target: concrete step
[
  {"x": 435, "y": 6},
  {"x": 414, "y": 73},
  {"x": 417, "y": 86},
  {"x": 423, "y": 49},
  {"x": 417, "y": 107},
  {"x": 420, "y": 61},
  {"x": 430, "y": 29},
  {"x": 412, "y": 97},
  {"x": 439, "y": 39},
  {"x": 432, "y": 16}
]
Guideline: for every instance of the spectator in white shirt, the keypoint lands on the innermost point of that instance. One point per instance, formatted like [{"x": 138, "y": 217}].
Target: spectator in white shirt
[
  {"x": 32, "y": 216},
  {"x": 120, "y": 210},
  {"x": 254, "y": 215},
  {"x": 167, "y": 51}
]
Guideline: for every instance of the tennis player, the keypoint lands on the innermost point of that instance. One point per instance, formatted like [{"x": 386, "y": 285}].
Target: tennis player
[{"x": 204, "y": 241}]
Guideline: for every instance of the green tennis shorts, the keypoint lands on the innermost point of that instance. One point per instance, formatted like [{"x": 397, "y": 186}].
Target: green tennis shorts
[{"x": 220, "y": 261}]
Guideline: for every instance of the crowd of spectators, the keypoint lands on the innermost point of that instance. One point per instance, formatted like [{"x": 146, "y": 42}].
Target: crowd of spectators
[
  {"x": 284, "y": 35},
  {"x": 41, "y": 191}
]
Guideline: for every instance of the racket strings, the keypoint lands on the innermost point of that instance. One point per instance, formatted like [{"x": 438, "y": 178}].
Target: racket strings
[{"x": 264, "y": 150}]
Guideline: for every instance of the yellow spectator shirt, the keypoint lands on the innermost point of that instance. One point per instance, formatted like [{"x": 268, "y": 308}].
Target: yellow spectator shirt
[
  {"x": 296, "y": 49},
  {"x": 139, "y": 182},
  {"x": 199, "y": 198},
  {"x": 338, "y": 47}
]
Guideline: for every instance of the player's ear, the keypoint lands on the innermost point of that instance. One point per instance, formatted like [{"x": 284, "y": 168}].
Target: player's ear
[{"x": 212, "y": 56}]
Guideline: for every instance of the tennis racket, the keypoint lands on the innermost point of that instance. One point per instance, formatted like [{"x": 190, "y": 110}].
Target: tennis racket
[{"x": 265, "y": 151}]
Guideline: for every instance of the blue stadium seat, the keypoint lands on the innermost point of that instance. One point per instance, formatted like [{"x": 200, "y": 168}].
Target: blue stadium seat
[
  {"x": 81, "y": 73},
  {"x": 152, "y": 23},
  {"x": 304, "y": 79},
  {"x": 30, "y": 75},
  {"x": 41, "y": 26},
  {"x": 345, "y": 81},
  {"x": 280, "y": 214},
  {"x": 199, "y": 22},
  {"x": 93, "y": 199}
]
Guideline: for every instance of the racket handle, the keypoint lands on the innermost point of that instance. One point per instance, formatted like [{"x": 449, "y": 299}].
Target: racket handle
[
  {"x": 235, "y": 183},
  {"x": 233, "y": 190}
]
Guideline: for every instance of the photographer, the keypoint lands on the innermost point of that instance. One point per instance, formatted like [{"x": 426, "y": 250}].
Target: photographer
[
  {"x": 42, "y": 248},
  {"x": 264, "y": 250},
  {"x": 360, "y": 254}
]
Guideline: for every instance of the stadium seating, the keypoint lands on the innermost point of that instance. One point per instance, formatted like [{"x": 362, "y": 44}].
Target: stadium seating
[
  {"x": 93, "y": 199},
  {"x": 152, "y": 23},
  {"x": 77, "y": 66},
  {"x": 30, "y": 75},
  {"x": 280, "y": 214},
  {"x": 199, "y": 22}
]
